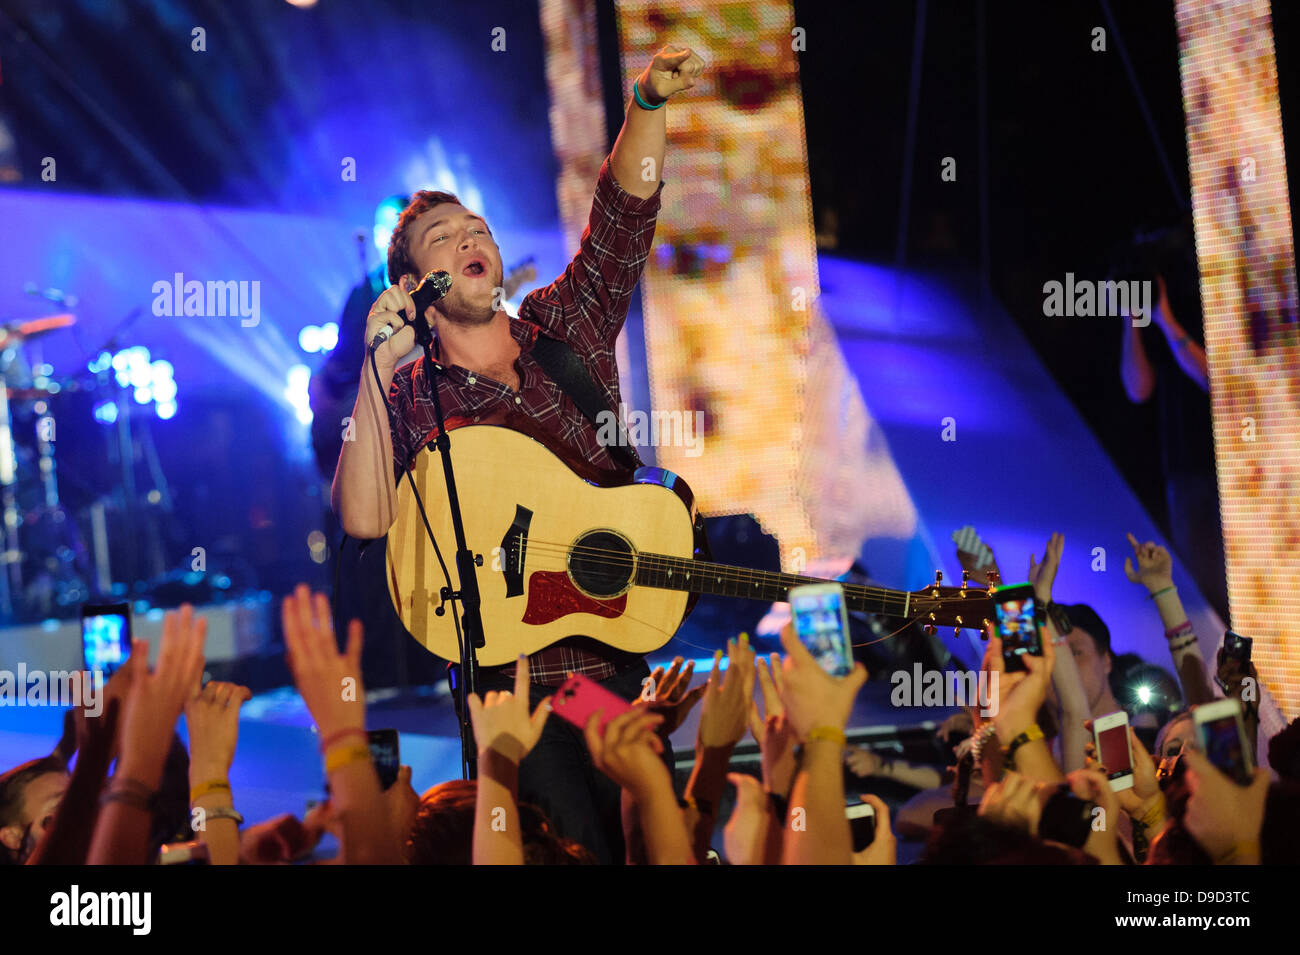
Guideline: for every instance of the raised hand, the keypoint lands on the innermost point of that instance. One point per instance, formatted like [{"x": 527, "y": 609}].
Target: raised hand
[
  {"x": 775, "y": 736},
  {"x": 725, "y": 713},
  {"x": 1020, "y": 694},
  {"x": 673, "y": 69},
  {"x": 1014, "y": 800},
  {"x": 1223, "y": 817},
  {"x": 884, "y": 847},
  {"x": 812, "y": 697},
  {"x": 502, "y": 723},
  {"x": 212, "y": 718},
  {"x": 1138, "y": 798},
  {"x": 1155, "y": 567},
  {"x": 329, "y": 681},
  {"x": 1103, "y": 840},
  {"x": 745, "y": 836},
  {"x": 1043, "y": 575},
  {"x": 628, "y": 751},
  {"x": 670, "y": 694},
  {"x": 156, "y": 699}
]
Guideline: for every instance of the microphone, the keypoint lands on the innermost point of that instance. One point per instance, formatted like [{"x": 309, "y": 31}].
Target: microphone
[{"x": 432, "y": 287}]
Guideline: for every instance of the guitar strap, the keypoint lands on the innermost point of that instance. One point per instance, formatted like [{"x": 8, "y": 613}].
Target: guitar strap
[{"x": 564, "y": 368}]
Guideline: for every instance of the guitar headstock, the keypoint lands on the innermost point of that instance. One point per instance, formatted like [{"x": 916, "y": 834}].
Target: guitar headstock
[{"x": 965, "y": 607}]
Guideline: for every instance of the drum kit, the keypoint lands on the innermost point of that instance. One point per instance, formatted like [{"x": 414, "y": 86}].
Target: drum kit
[{"x": 46, "y": 568}]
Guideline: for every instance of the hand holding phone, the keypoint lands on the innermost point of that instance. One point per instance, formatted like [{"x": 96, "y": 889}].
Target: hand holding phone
[
  {"x": 862, "y": 824},
  {"x": 1015, "y": 610},
  {"x": 1222, "y": 732},
  {"x": 105, "y": 636},
  {"x": 579, "y": 697},
  {"x": 385, "y": 755},
  {"x": 821, "y": 623},
  {"x": 1114, "y": 749}
]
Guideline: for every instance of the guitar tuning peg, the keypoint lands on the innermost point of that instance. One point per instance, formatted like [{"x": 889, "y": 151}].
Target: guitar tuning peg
[
  {"x": 965, "y": 578},
  {"x": 938, "y": 577},
  {"x": 956, "y": 632},
  {"x": 984, "y": 635}
]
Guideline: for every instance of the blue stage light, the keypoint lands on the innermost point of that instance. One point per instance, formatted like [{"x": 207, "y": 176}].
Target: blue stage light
[
  {"x": 295, "y": 392},
  {"x": 309, "y": 339},
  {"x": 106, "y": 412},
  {"x": 165, "y": 409},
  {"x": 329, "y": 336},
  {"x": 143, "y": 395}
]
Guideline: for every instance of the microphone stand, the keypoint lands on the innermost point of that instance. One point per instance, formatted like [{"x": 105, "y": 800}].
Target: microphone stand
[{"x": 466, "y": 562}]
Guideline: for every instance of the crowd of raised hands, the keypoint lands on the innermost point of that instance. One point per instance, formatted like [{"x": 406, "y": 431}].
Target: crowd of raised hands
[{"x": 793, "y": 812}]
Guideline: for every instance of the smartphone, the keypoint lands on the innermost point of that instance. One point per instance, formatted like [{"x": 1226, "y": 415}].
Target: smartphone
[
  {"x": 821, "y": 621},
  {"x": 1237, "y": 646},
  {"x": 1017, "y": 624},
  {"x": 105, "y": 636},
  {"x": 1066, "y": 818},
  {"x": 384, "y": 753},
  {"x": 1114, "y": 748},
  {"x": 862, "y": 823},
  {"x": 1222, "y": 733},
  {"x": 578, "y": 697}
]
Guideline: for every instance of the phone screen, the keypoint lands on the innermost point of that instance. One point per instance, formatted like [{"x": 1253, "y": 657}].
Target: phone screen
[
  {"x": 383, "y": 750},
  {"x": 1224, "y": 747},
  {"x": 1114, "y": 751},
  {"x": 1016, "y": 625},
  {"x": 819, "y": 624},
  {"x": 106, "y": 640}
]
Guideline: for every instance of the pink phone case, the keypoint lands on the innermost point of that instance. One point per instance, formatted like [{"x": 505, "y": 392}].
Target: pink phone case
[{"x": 578, "y": 697}]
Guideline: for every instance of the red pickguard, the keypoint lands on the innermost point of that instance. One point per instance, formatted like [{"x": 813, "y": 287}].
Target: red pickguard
[{"x": 551, "y": 595}]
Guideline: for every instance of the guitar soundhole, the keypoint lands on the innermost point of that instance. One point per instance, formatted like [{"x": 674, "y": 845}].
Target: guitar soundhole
[{"x": 601, "y": 564}]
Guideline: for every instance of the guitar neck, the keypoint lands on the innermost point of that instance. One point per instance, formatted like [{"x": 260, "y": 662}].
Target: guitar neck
[{"x": 705, "y": 577}]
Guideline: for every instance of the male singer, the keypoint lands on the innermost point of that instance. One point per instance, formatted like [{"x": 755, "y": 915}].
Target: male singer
[{"x": 490, "y": 372}]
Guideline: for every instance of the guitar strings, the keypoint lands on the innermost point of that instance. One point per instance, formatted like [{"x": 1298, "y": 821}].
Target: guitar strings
[{"x": 738, "y": 574}]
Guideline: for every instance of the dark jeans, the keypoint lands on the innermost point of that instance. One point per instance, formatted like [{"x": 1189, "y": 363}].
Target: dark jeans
[{"x": 558, "y": 776}]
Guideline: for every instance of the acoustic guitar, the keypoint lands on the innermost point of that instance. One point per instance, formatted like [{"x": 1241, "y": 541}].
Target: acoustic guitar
[{"x": 567, "y": 550}]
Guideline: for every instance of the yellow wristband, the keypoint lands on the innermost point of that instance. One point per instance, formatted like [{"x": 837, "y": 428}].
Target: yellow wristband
[
  {"x": 340, "y": 756},
  {"x": 1156, "y": 813},
  {"x": 828, "y": 734},
  {"x": 204, "y": 789},
  {"x": 1031, "y": 733}
]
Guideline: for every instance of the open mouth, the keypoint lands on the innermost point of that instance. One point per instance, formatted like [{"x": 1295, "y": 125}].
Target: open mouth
[{"x": 475, "y": 268}]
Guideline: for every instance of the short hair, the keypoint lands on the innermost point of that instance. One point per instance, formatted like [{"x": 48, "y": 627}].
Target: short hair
[
  {"x": 443, "y": 833},
  {"x": 1083, "y": 616},
  {"x": 400, "y": 260}
]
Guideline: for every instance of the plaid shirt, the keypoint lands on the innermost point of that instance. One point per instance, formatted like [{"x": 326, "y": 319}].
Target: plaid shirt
[{"x": 586, "y": 307}]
